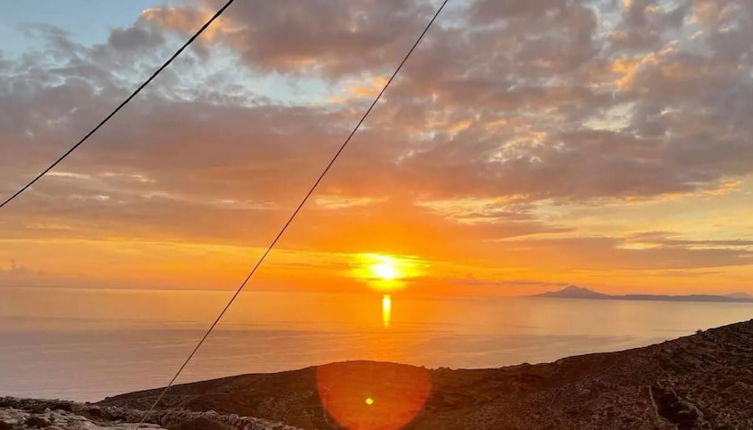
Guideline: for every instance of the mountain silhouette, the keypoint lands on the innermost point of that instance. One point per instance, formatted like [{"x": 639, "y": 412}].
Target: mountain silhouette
[{"x": 575, "y": 292}]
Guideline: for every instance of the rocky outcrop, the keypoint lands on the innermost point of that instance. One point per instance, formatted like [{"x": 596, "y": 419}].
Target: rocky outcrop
[
  {"x": 18, "y": 414},
  {"x": 41, "y": 417}
]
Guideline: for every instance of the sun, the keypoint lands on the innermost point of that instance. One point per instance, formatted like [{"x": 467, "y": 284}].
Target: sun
[
  {"x": 386, "y": 269},
  {"x": 384, "y": 272}
]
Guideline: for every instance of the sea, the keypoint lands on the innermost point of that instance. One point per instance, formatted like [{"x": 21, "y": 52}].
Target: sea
[{"x": 86, "y": 344}]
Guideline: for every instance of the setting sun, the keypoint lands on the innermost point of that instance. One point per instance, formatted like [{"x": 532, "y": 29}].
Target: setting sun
[{"x": 386, "y": 270}]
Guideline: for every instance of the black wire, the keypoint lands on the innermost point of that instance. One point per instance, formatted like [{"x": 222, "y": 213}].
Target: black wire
[
  {"x": 120, "y": 106},
  {"x": 294, "y": 214}
]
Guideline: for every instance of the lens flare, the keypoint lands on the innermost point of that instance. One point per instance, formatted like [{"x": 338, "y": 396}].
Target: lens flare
[{"x": 364, "y": 395}]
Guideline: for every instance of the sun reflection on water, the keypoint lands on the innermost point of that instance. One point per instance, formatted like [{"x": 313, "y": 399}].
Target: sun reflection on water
[{"x": 386, "y": 310}]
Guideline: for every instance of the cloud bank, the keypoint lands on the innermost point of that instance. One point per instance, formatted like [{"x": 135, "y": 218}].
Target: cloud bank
[{"x": 509, "y": 113}]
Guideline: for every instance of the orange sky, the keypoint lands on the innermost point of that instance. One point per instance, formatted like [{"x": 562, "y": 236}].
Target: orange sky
[{"x": 607, "y": 146}]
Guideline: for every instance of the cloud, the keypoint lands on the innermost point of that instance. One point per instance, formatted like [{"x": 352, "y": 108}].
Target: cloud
[
  {"x": 505, "y": 105},
  {"x": 333, "y": 201},
  {"x": 500, "y": 105},
  {"x": 605, "y": 253},
  {"x": 667, "y": 239},
  {"x": 332, "y": 38}
]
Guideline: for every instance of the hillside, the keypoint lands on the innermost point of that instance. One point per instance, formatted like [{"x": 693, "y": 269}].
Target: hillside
[{"x": 695, "y": 382}]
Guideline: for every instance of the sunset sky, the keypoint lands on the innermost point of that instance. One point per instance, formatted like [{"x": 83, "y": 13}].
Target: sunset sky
[{"x": 527, "y": 145}]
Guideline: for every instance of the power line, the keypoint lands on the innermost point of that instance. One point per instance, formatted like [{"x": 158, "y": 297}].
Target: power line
[
  {"x": 119, "y": 107},
  {"x": 295, "y": 212}
]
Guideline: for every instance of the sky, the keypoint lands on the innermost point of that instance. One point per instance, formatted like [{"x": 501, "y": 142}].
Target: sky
[{"x": 524, "y": 147}]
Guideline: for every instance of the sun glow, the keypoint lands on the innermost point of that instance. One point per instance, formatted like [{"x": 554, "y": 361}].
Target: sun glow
[
  {"x": 386, "y": 269},
  {"x": 386, "y": 272}
]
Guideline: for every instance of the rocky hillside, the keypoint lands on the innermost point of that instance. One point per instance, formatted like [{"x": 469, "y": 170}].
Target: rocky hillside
[
  {"x": 704, "y": 381},
  {"x": 23, "y": 414}
]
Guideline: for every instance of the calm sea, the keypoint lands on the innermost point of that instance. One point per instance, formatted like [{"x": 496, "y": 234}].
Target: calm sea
[{"x": 85, "y": 344}]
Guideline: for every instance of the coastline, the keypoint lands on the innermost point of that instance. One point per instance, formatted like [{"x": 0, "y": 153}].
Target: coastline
[{"x": 690, "y": 382}]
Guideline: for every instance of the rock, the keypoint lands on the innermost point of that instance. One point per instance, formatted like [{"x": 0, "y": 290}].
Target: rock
[
  {"x": 200, "y": 423},
  {"x": 676, "y": 410},
  {"x": 36, "y": 421},
  {"x": 27, "y": 414}
]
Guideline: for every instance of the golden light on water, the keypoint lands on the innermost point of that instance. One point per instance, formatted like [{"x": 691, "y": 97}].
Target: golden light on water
[
  {"x": 386, "y": 310},
  {"x": 386, "y": 273}
]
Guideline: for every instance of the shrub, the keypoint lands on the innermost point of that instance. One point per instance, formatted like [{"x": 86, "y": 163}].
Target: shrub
[{"x": 37, "y": 422}]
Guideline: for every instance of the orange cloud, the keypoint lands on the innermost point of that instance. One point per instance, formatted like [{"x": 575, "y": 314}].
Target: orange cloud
[{"x": 521, "y": 147}]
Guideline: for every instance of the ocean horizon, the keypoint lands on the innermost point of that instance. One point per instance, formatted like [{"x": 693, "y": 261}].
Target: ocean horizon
[{"x": 86, "y": 344}]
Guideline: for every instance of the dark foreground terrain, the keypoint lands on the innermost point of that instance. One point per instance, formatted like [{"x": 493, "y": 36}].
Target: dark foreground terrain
[
  {"x": 28, "y": 414},
  {"x": 703, "y": 381}
]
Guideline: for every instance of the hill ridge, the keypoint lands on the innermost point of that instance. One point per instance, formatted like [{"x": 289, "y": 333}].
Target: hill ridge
[{"x": 576, "y": 292}]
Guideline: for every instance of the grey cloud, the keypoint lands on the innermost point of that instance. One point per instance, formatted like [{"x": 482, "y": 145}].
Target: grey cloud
[
  {"x": 686, "y": 129},
  {"x": 134, "y": 39},
  {"x": 594, "y": 253}
]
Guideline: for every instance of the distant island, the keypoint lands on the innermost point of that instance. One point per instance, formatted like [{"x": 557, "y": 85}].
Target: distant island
[{"x": 575, "y": 292}]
